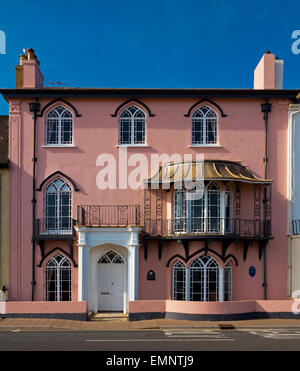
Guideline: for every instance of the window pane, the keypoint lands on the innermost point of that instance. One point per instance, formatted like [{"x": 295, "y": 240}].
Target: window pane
[
  {"x": 212, "y": 284},
  {"x": 197, "y": 131},
  {"x": 227, "y": 283},
  {"x": 51, "y": 210},
  {"x": 179, "y": 283},
  {"x": 197, "y": 284},
  {"x": 139, "y": 131},
  {"x": 214, "y": 224},
  {"x": 51, "y": 284},
  {"x": 52, "y": 131},
  {"x": 180, "y": 212},
  {"x": 65, "y": 284},
  {"x": 197, "y": 215},
  {"x": 66, "y": 131},
  {"x": 65, "y": 211},
  {"x": 211, "y": 132},
  {"x": 125, "y": 131}
]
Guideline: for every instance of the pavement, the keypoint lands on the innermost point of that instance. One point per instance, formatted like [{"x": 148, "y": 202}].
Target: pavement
[{"x": 122, "y": 324}]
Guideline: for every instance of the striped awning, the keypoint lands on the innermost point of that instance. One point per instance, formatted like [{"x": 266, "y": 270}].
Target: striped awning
[{"x": 207, "y": 170}]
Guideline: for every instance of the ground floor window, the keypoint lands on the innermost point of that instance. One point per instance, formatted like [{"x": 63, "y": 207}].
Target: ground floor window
[
  {"x": 202, "y": 280},
  {"x": 179, "y": 281},
  {"x": 58, "y": 279}
]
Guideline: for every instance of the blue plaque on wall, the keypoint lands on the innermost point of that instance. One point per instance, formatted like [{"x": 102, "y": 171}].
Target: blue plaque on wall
[{"x": 252, "y": 271}]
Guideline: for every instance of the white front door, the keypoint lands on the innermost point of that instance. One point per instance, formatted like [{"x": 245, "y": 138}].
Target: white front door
[{"x": 111, "y": 282}]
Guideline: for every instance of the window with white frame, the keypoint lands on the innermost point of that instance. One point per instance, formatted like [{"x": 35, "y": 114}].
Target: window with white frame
[
  {"x": 58, "y": 207},
  {"x": 202, "y": 280},
  {"x": 211, "y": 212},
  {"x": 227, "y": 283},
  {"x": 179, "y": 278},
  {"x": 132, "y": 126},
  {"x": 58, "y": 279},
  {"x": 111, "y": 257},
  {"x": 204, "y": 126},
  {"x": 59, "y": 127}
]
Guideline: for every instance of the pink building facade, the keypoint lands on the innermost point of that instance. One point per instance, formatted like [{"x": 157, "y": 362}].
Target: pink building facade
[{"x": 92, "y": 218}]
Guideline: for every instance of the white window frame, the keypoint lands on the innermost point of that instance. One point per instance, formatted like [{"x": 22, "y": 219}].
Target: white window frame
[
  {"x": 205, "y": 268},
  {"x": 132, "y": 128},
  {"x": 59, "y": 134},
  {"x": 58, "y": 217},
  {"x": 58, "y": 268},
  {"x": 178, "y": 266},
  {"x": 229, "y": 268},
  {"x": 204, "y": 142},
  {"x": 186, "y": 220}
]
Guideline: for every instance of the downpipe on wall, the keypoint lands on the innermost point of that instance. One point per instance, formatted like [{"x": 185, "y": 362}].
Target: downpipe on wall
[
  {"x": 266, "y": 108},
  {"x": 34, "y": 108}
]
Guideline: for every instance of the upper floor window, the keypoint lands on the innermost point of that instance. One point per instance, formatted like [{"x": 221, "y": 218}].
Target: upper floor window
[
  {"x": 208, "y": 212},
  {"x": 58, "y": 207},
  {"x": 59, "y": 126},
  {"x": 205, "y": 126},
  {"x": 132, "y": 126}
]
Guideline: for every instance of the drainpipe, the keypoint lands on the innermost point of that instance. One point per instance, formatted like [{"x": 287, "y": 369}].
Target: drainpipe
[
  {"x": 265, "y": 108},
  {"x": 34, "y": 108}
]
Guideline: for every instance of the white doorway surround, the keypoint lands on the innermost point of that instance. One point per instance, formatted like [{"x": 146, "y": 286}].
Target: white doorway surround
[{"x": 108, "y": 286}]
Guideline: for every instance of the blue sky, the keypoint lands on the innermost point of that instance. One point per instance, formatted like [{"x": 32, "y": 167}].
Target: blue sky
[{"x": 149, "y": 44}]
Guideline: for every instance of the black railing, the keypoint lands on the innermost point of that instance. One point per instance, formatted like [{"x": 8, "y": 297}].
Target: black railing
[
  {"x": 208, "y": 226},
  {"x": 108, "y": 215},
  {"x": 51, "y": 228}
]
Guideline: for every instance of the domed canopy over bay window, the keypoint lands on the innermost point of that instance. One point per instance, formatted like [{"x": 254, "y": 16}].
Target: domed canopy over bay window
[
  {"x": 206, "y": 198},
  {"x": 207, "y": 170}
]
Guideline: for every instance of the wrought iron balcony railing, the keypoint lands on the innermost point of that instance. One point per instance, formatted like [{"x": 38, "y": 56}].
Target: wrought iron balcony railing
[
  {"x": 208, "y": 226},
  {"x": 53, "y": 228},
  {"x": 108, "y": 215}
]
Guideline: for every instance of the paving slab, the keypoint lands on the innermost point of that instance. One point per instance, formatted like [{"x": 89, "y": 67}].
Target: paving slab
[{"x": 121, "y": 325}]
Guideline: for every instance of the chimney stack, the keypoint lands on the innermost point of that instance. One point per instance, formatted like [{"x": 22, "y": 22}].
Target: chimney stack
[
  {"x": 28, "y": 73},
  {"x": 269, "y": 72}
]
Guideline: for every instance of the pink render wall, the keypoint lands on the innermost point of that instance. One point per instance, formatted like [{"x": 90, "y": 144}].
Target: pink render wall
[
  {"x": 195, "y": 307},
  {"x": 43, "y": 307},
  {"x": 96, "y": 132}
]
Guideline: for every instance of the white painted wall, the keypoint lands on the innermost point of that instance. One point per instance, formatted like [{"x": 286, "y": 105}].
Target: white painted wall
[{"x": 293, "y": 197}]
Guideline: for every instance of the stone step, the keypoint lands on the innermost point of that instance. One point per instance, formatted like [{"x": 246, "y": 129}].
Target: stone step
[{"x": 108, "y": 316}]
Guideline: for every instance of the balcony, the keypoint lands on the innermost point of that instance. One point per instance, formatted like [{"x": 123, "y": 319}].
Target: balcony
[
  {"x": 205, "y": 227},
  {"x": 55, "y": 229},
  {"x": 108, "y": 215}
]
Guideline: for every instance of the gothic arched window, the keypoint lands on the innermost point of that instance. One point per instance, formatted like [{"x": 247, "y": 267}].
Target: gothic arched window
[
  {"x": 132, "y": 126},
  {"x": 58, "y": 207},
  {"x": 204, "y": 126},
  {"x": 202, "y": 280},
  {"x": 59, "y": 127},
  {"x": 58, "y": 279}
]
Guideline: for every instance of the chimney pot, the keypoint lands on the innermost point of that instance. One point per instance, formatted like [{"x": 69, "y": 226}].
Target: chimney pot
[
  {"x": 30, "y": 54},
  {"x": 23, "y": 58}
]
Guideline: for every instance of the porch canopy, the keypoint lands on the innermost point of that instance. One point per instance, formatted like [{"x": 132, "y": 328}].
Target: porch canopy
[{"x": 205, "y": 170}]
